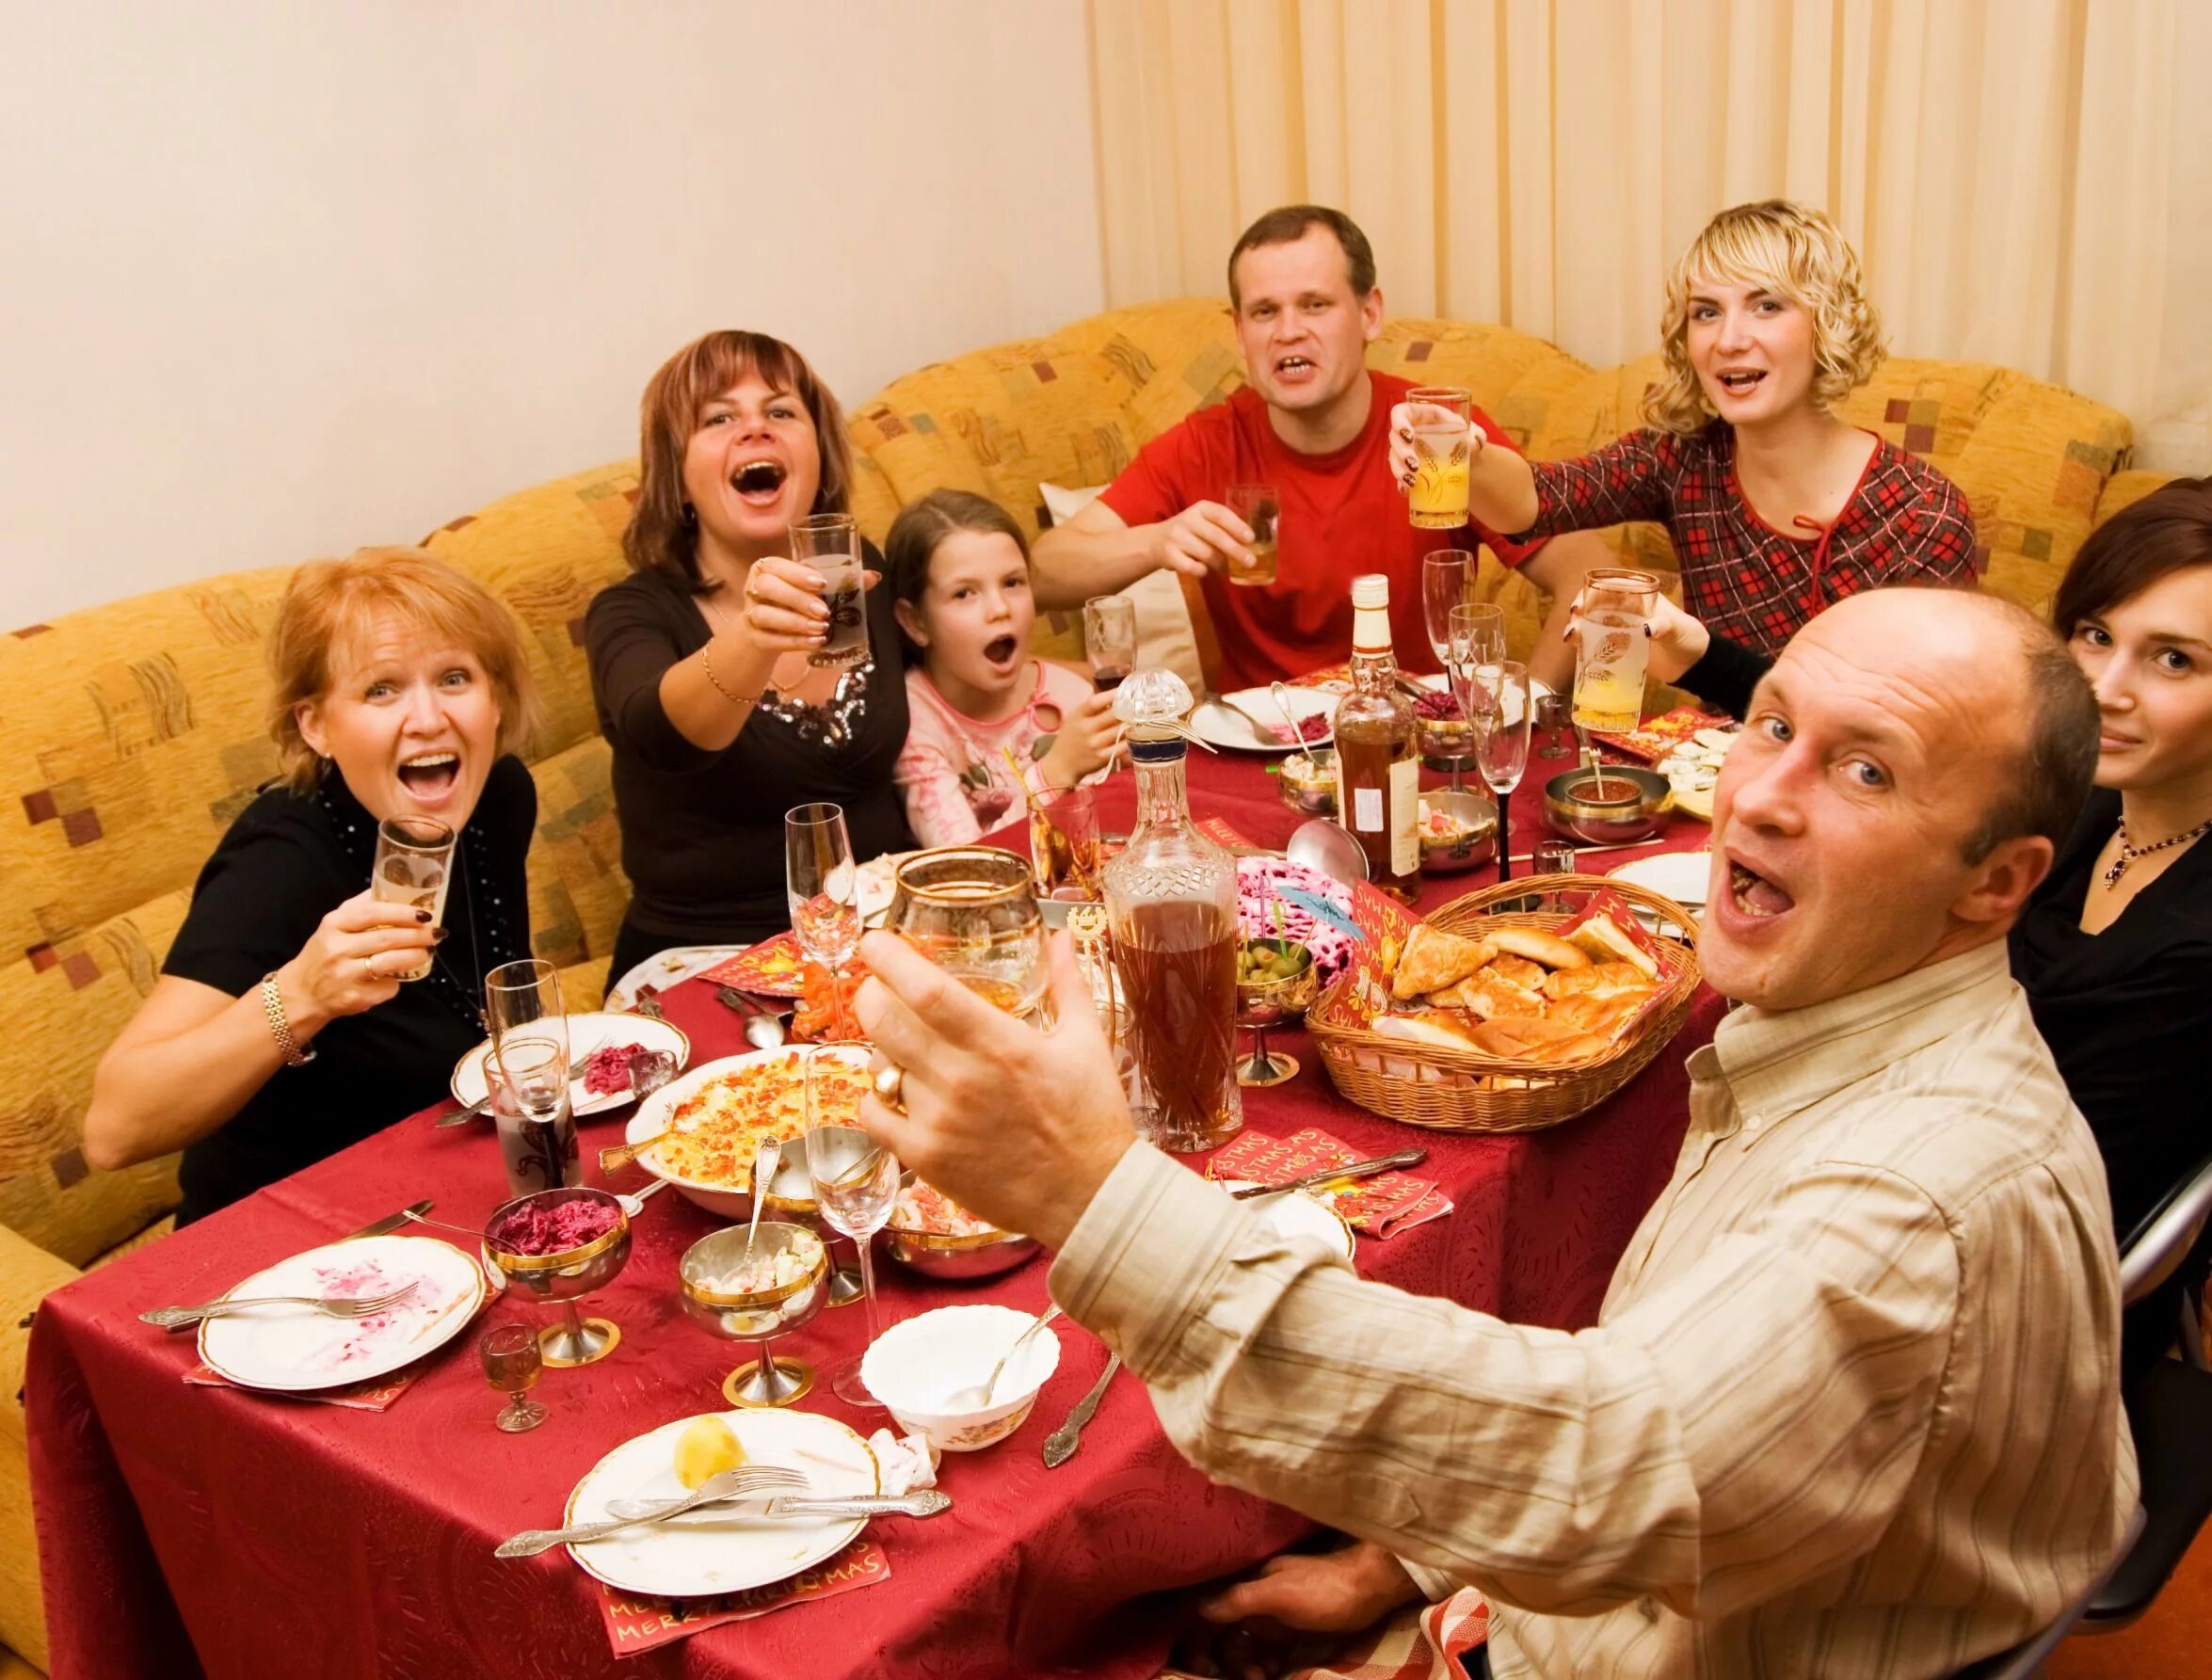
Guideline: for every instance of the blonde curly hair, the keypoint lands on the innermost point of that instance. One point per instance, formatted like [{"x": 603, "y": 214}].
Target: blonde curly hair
[{"x": 1793, "y": 251}]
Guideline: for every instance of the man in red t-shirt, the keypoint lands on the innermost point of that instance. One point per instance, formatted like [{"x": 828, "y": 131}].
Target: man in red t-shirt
[{"x": 1310, "y": 422}]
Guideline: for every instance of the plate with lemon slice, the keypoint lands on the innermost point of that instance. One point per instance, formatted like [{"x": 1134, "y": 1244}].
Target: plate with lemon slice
[{"x": 721, "y": 1548}]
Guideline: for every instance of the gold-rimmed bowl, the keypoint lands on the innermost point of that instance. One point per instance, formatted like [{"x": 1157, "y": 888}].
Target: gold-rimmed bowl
[
  {"x": 566, "y": 1274},
  {"x": 1269, "y": 1002},
  {"x": 1475, "y": 839},
  {"x": 755, "y": 1316},
  {"x": 1308, "y": 781},
  {"x": 980, "y": 1253}
]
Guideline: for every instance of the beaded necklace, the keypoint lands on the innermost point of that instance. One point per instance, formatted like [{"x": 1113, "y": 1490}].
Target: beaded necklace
[{"x": 2129, "y": 851}]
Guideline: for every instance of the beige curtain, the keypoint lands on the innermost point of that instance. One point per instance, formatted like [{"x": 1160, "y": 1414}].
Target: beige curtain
[{"x": 2009, "y": 168}]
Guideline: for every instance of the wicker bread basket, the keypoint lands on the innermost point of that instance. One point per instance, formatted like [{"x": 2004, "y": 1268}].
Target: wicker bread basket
[{"x": 1448, "y": 1090}]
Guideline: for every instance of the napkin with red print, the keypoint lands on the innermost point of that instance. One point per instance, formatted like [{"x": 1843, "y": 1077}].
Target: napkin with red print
[
  {"x": 1381, "y": 1206},
  {"x": 635, "y": 1625},
  {"x": 357, "y": 1397}
]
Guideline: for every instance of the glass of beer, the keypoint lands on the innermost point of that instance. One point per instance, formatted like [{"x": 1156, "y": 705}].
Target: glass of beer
[
  {"x": 1611, "y": 649},
  {"x": 1260, "y": 506},
  {"x": 415, "y": 861},
  {"x": 1439, "y": 415},
  {"x": 972, "y": 911},
  {"x": 830, "y": 543},
  {"x": 1110, "y": 637}
]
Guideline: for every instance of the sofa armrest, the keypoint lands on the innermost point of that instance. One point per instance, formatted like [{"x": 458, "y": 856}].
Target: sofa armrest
[
  {"x": 27, "y": 1274},
  {"x": 2123, "y": 489}
]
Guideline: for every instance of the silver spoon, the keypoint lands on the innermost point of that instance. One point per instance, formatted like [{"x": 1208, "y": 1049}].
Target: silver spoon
[
  {"x": 766, "y": 1159},
  {"x": 764, "y": 1028},
  {"x": 979, "y": 1396},
  {"x": 1281, "y": 695}
]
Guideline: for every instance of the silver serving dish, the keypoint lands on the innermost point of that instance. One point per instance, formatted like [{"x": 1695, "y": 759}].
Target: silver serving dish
[
  {"x": 1625, "y": 807},
  {"x": 986, "y": 1255},
  {"x": 1464, "y": 851}
]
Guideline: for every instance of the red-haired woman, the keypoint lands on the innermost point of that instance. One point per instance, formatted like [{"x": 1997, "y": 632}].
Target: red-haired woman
[
  {"x": 698, "y": 658},
  {"x": 280, "y": 1032}
]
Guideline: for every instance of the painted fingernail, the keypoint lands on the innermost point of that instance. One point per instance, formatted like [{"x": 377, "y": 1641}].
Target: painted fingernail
[
  {"x": 438, "y": 935},
  {"x": 421, "y": 914}
]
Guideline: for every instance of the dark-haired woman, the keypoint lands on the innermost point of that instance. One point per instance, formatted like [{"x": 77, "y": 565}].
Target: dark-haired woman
[
  {"x": 699, "y": 659},
  {"x": 2115, "y": 949}
]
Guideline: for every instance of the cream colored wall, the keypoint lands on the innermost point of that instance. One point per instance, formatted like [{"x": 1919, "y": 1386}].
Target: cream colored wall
[{"x": 282, "y": 276}]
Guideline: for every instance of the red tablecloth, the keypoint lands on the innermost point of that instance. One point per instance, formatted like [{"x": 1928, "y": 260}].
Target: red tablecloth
[{"x": 274, "y": 1536}]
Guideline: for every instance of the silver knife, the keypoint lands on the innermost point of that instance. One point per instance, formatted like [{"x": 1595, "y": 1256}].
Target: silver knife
[
  {"x": 922, "y": 1502},
  {"x": 1061, "y": 1444},
  {"x": 391, "y": 1222},
  {"x": 1359, "y": 1169}
]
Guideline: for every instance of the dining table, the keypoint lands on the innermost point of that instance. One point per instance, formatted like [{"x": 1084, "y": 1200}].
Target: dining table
[{"x": 187, "y": 1530}]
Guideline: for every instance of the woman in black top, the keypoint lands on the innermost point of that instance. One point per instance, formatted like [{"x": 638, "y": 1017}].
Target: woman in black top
[
  {"x": 2115, "y": 948},
  {"x": 278, "y": 1033},
  {"x": 698, "y": 661}
]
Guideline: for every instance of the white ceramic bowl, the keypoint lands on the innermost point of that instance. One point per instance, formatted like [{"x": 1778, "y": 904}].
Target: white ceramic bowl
[{"x": 916, "y": 1365}]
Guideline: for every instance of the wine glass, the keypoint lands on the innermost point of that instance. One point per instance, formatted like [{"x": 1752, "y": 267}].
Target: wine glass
[
  {"x": 1465, "y": 634},
  {"x": 1448, "y": 581},
  {"x": 511, "y": 1365},
  {"x": 1503, "y": 740},
  {"x": 823, "y": 888},
  {"x": 972, "y": 911},
  {"x": 856, "y": 1181}
]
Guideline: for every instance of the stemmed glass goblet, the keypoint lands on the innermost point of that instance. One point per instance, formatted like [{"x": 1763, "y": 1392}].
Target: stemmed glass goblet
[
  {"x": 855, "y": 1182},
  {"x": 1502, "y": 748}
]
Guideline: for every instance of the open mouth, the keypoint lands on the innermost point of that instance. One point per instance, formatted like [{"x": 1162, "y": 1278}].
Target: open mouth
[
  {"x": 429, "y": 775},
  {"x": 758, "y": 481},
  {"x": 1000, "y": 651},
  {"x": 1294, "y": 365},
  {"x": 1754, "y": 896},
  {"x": 1740, "y": 383}
]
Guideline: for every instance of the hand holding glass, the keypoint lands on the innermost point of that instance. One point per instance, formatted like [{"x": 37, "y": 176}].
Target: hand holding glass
[
  {"x": 1109, "y": 639},
  {"x": 412, "y": 867},
  {"x": 1611, "y": 649},
  {"x": 1438, "y": 417},
  {"x": 830, "y": 543},
  {"x": 1260, "y": 506}
]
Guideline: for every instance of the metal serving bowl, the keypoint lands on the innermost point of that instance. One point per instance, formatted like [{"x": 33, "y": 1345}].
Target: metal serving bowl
[
  {"x": 956, "y": 1259},
  {"x": 1308, "y": 781},
  {"x": 569, "y": 1272},
  {"x": 1630, "y": 810},
  {"x": 1478, "y": 845}
]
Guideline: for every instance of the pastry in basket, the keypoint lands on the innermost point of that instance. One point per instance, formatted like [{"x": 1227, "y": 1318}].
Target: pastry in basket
[
  {"x": 1602, "y": 939},
  {"x": 1490, "y": 994},
  {"x": 1433, "y": 959},
  {"x": 1518, "y": 969},
  {"x": 1538, "y": 945},
  {"x": 1601, "y": 979}
]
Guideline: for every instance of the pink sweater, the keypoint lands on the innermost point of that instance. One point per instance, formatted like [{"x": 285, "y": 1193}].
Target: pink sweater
[{"x": 952, "y": 772}]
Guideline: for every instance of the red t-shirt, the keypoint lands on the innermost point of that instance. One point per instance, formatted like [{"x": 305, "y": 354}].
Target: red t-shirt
[{"x": 1341, "y": 516}]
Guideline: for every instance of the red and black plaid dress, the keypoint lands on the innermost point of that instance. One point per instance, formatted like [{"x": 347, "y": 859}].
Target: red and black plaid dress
[{"x": 1905, "y": 523}]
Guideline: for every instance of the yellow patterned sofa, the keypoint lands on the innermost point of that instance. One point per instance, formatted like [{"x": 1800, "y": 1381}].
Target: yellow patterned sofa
[{"x": 130, "y": 733}]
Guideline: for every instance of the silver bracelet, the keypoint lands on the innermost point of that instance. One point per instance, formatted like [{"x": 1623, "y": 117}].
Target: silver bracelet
[{"x": 272, "y": 1006}]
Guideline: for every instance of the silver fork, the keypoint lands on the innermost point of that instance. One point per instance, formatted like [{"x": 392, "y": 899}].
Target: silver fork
[
  {"x": 746, "y": 1479},
  {"x": 335, "y": 1306}
]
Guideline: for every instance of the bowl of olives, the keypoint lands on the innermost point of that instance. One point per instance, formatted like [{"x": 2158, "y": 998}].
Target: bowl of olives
[{"x": 1276, "y": 983}]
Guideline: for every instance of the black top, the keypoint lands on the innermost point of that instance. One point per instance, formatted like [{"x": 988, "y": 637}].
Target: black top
[
  {"x": 1725, "y": 674},
  {"x": 289, "y": 860},
  {"x": 2127, "y": 1012},
  {"x": 702, "y": 832}
]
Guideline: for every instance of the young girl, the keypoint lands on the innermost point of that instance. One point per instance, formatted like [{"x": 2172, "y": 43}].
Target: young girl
[
  {"x": 959, "y": 582},
  {"x": 1777, "y": 506}
]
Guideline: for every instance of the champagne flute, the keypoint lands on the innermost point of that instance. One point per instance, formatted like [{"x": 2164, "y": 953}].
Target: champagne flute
[
  {"x": 1465, "y": 634},
  {"x": 511, "y": 1365},
  {"x": 1504, "y": 750},
  {"x": 824, "y": 890},
  {"x": 855, "y": 1182}
]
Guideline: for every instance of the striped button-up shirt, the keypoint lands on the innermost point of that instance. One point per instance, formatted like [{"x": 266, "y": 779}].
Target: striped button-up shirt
[{"x": 1850, "y": 1408}]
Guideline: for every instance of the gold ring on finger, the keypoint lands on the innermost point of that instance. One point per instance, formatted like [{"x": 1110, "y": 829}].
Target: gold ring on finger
[{"x": 890, "y": 1081}]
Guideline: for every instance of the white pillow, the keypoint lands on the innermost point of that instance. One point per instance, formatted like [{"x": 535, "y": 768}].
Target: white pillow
[{"x": 1165, "y": 639}]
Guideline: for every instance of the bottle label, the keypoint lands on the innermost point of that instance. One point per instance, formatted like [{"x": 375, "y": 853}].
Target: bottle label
[
  {"x": 1367, "y": 808},
  {"x": 1405, "y": 809}
]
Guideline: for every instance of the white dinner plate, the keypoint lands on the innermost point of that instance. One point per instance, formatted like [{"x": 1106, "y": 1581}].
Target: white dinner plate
[
  {"x": 665, "y": 969},
  {"x": 586, "y": 1034},
  {"x": 1218, "y": 726},
  {"x": 653, "y": 1118},
  {"x": 720, "y": 1549},
  {"x": 1679, "y": 875},
  {"x": 1297, "y": 1214},
  {"x": 297, "y": 1350}
]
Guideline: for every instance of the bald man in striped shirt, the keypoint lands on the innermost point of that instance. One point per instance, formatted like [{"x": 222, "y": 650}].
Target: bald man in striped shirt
[{"x": 1851, "y": 1406}]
